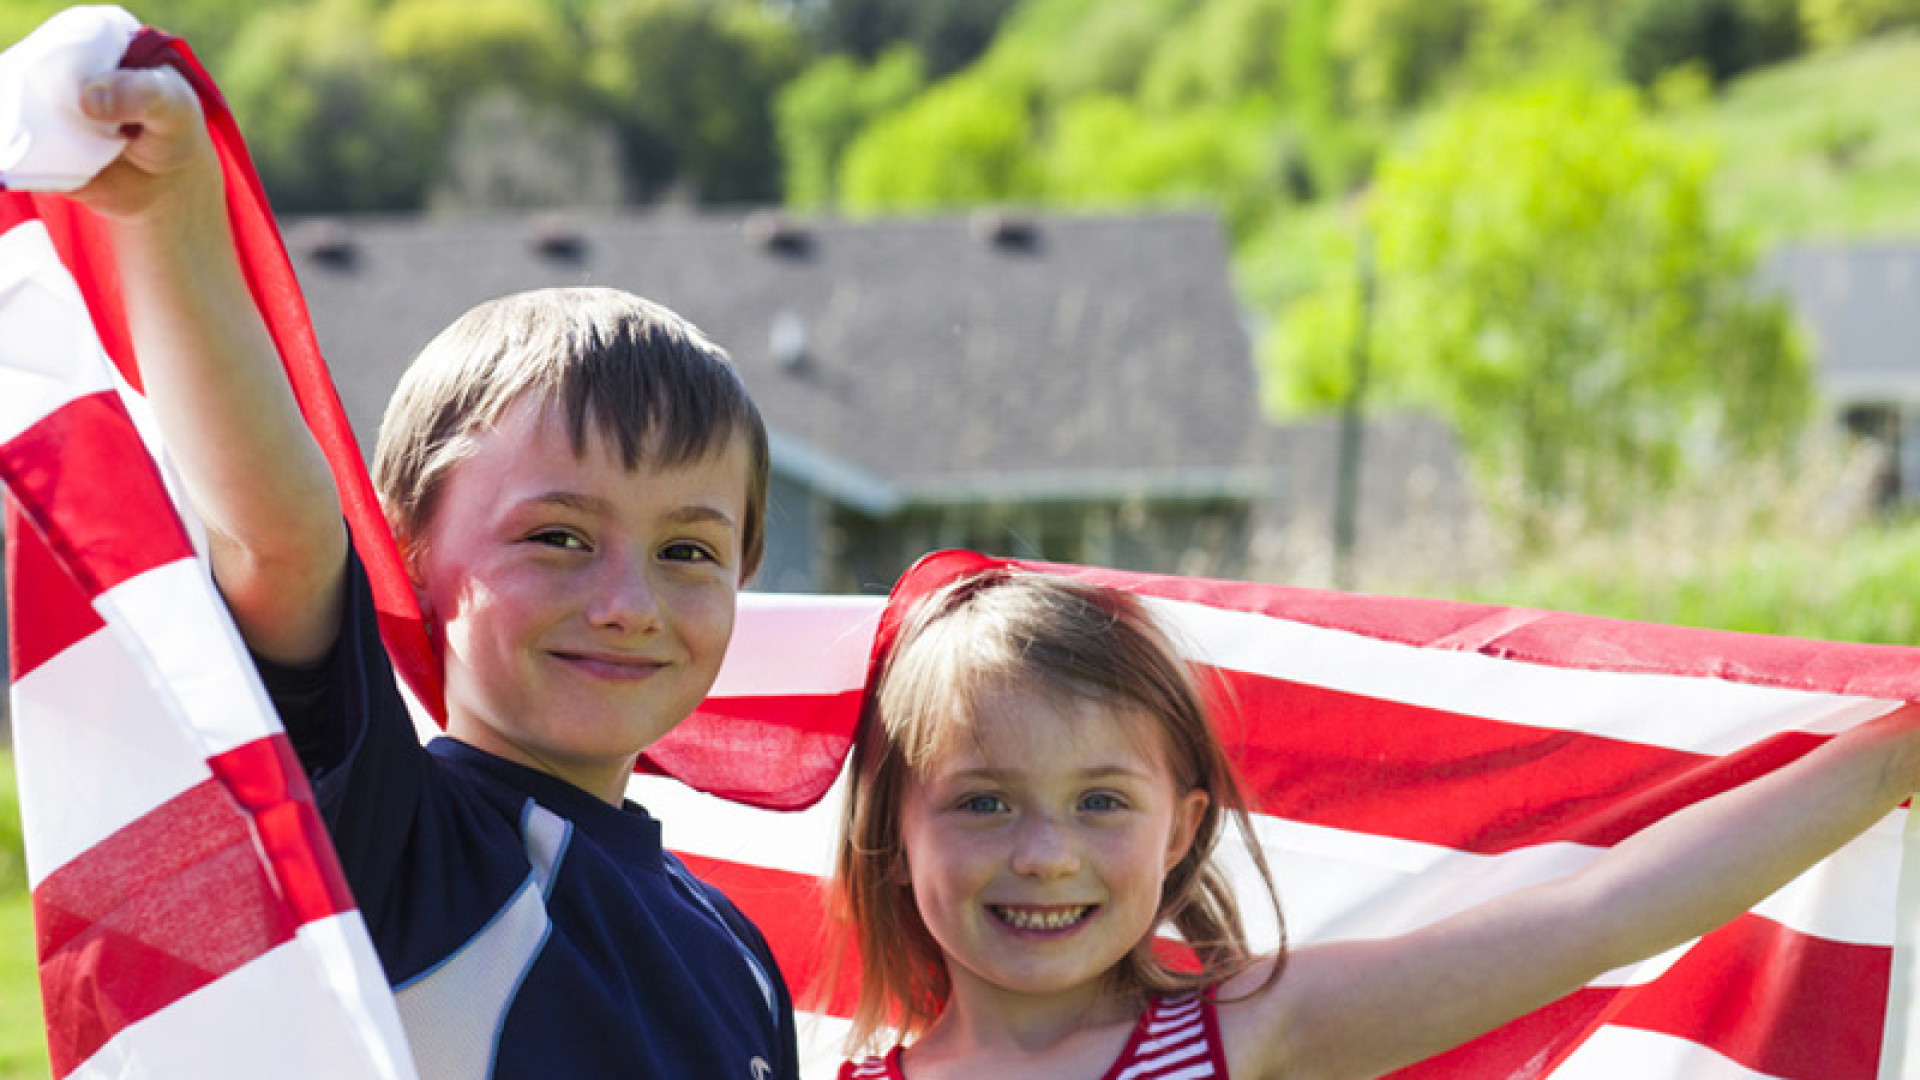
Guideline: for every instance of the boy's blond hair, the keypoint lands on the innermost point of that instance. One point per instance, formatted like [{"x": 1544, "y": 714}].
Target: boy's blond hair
[{"x": 643, "y": 377}]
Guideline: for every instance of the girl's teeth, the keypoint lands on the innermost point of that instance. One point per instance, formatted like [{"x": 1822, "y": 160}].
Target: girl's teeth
[{"x": 1051, "y": 919}]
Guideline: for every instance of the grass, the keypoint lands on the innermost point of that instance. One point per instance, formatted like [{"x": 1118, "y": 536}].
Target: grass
[
  {"x": 23, "y": 1047},
  {"x": 1821, "y": 149}
]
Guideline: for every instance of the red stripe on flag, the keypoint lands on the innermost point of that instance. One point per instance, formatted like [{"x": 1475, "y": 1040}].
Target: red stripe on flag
[
  {"x": 83, "y": 476},
  {"x": 796, "y": 745},
  {"x": 265, "y": 778},
  {"x": 1780, "y": 1002},
  {"x": 158, "y": 910},
  {"x": 175, "y": 900},
  {"x": 1518, "y": 1050},
  {"x": 62, "y": 614},
  {"x": 1357, "y": 763}
]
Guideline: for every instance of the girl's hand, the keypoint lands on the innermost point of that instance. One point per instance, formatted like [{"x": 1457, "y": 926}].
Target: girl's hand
[{"x": 168, "y": 169}]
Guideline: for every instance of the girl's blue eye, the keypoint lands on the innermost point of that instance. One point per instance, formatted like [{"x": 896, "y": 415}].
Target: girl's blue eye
[
  {"x": 1099, "y": 801},
  {"x": 981, "y": 804}
]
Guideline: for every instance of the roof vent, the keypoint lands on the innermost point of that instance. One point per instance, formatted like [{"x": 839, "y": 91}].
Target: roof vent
[
  {"x": 1005, "y": 230},
  {"x": 775, "y": 232},
  {"x": 787, "y": 341},
  {"x": 559, "y": 240},
  {"x": 326, "y": 242}
]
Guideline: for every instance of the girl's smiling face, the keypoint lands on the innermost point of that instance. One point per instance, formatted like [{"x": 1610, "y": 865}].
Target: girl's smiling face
[{"x": 1036, "y": 844}]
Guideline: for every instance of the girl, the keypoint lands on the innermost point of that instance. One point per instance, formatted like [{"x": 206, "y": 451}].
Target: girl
[{"x": 1036, "y": 789}]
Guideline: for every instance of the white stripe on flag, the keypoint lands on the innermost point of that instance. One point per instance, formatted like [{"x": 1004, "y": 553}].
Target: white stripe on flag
[
  {"x": 1703, "y": 716},
  {"x": 193, "y": 654},
  {"x": 267, "y": 1018},
  {"x": 792, "y": 645},
  {"x": 66, "y": 799},
  {"x": 1900, "y": 1053},
  {"x": 49, "y": 348},
  {"x": 1621, "y": 1053}
]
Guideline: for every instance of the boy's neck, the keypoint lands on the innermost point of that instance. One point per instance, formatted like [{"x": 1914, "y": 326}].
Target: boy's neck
[{"x": 603, "y": 780}]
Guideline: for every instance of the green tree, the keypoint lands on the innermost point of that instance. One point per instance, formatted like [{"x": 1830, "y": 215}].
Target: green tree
[
  {"x": 463, "y": 47},
  {"x": 1106, "y": 152},
  {"x": 967, "y": 140},
  {"x": 331, "y": 124},
  {"x": 822, "y": 111},
  {"x": 1724, "y": 37},
  {"x": 1837, "y": 22},
  {"x": 689, "y": 87},
  {"x": 948, "y": 34},
  {"x": 1550, "y": 280},
  {"x": 1226, "y": 52}
]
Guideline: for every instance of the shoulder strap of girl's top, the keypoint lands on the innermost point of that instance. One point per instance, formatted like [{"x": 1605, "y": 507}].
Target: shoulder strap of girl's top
[
  {"x": 873, "y": 1068},
  {"x": 1177, "y": 1036}
]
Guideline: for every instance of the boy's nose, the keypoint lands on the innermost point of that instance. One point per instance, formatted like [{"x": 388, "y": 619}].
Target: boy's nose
[
  {"x": 1042, "y": 848},
  {"x": 623, "y": 596}
]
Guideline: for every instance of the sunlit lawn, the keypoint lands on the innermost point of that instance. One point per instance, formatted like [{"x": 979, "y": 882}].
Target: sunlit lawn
[{"x": 23, "y": 1048}]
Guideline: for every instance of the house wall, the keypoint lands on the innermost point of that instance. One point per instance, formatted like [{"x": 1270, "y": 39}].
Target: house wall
[
  {"x": 796, "y": 525},
  {"x": 1194, "y": 537}
]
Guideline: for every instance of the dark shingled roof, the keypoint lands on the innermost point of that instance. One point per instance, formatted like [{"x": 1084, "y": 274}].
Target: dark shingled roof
[{"x": 920, "y": 360}]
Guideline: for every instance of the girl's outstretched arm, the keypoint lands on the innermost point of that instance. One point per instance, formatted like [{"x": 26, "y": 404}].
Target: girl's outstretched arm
[
  {"x": 250, "y": 467},
  {"x": 1360, "y": 1009}
]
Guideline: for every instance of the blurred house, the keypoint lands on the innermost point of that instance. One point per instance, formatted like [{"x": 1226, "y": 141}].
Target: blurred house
[
  {"x": 1860, "y": 309},
  {"x": 1066, "y": 387},
  {"x": 1072, "y": 388}
]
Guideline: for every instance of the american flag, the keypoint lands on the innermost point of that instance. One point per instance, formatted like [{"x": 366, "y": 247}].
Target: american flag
[{"x": 1410, "y": 758}]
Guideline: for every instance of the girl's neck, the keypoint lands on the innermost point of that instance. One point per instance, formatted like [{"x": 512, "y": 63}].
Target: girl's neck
[{"x": 981, "y": 1019}]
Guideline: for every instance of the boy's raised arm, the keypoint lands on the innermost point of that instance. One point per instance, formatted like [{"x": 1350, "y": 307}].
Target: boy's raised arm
[
  {"x": 250, "y": 467},
  {"x": 1359, "y": 1009}
]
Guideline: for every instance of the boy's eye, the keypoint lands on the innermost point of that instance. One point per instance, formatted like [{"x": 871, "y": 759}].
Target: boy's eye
[
  {"x": 687, "y": 551},
  {"x": 559, "y": 538}
]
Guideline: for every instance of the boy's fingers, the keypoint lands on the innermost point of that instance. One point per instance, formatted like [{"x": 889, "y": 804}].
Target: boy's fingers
[{"x": 157, "y": 98}]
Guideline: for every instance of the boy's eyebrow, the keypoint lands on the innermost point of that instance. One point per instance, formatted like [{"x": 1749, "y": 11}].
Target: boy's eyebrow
[{"x": 694, "y": 514}]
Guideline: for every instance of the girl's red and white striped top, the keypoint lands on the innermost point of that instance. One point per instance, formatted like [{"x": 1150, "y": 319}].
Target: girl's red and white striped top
[{"x": 1177, "y": 1038}]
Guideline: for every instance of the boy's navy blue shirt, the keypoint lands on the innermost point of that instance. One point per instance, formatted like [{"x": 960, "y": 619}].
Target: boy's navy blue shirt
[{"x": 528, "y": 928}]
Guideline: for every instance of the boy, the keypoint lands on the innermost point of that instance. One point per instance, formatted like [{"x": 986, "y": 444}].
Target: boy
[{"x": 577, "y": 481}]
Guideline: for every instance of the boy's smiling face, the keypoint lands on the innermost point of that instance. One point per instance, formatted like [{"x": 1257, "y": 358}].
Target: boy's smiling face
[{"x": 582, "y": 609}]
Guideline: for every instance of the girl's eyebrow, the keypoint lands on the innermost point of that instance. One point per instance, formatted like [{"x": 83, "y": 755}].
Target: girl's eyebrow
[{"x": 1095, "y": 772}]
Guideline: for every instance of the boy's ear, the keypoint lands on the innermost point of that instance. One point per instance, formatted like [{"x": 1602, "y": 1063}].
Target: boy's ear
[
  {"x": 410, "y": 556},
  {"x": 1187, "y": 813}
]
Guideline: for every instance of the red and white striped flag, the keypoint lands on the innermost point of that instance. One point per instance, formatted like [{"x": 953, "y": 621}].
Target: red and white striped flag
[
  {"x": 190, "y": 916},
  {"x": 1410, "y": 758}
]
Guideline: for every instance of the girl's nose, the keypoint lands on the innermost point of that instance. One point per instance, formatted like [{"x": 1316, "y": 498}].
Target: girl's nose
[
  {"x": 623, "y": 596},
  {"x": 1043, "y": 848}
]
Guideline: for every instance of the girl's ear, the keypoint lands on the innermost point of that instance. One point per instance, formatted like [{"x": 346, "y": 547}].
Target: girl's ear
[{"x": 1187, "y": 813}]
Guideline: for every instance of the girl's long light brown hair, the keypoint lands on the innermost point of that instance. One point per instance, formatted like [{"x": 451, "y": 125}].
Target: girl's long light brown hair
[{"x": 1062, "y": 638}]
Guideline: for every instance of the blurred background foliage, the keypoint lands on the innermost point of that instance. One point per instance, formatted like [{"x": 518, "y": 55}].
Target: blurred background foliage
[{"x": 1539, "y": 218}]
